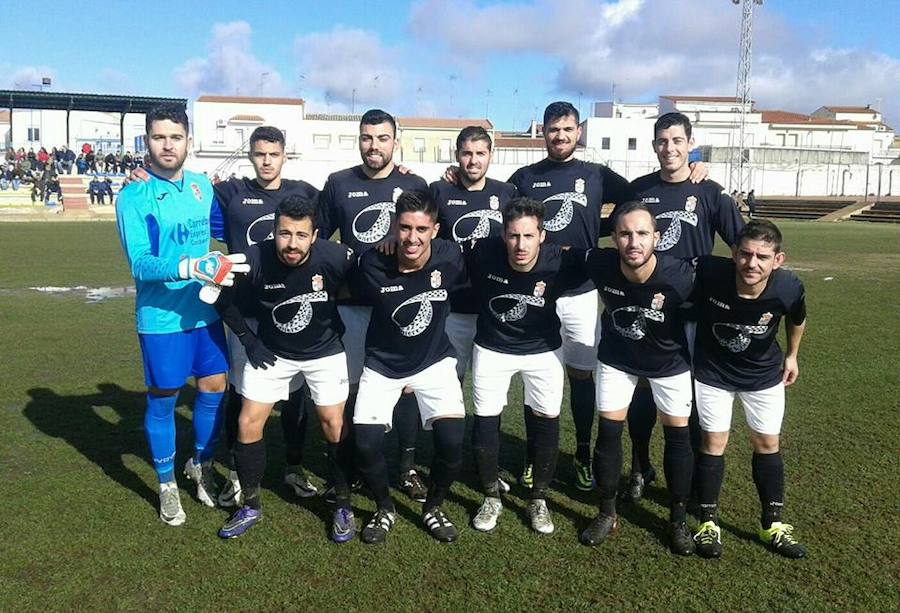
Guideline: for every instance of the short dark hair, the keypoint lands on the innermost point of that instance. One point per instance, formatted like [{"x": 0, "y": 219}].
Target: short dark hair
[
  {"x": 173, "y": 112},
  {"x": 761, "y": 230},
  {"x": 672, "y": 119},
  {"x": 373, "y": 117},
  {"x": 473, "y": 133},
  {"x": 518, "y": 208},
  {"x": 296, "y": 207},
  {"x": 270, "y": 134},
  {"x": 417, "y": 201},
  {"x": 631, "y": 206},
  {"x": 558, "y": 109}
]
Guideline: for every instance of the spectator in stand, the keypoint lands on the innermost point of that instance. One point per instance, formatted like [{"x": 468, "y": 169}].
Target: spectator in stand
[
  {"x": 25, "y": 167},
  {"x": 43, "y": 158},
  {"x": 68, "y": 159},
  {"x": 10, "y": 155},
  {"x": 81, "y": 164},
  {"x": 107, "y": 190},
  {"x": 86, "y": 148},
  {"x": 109, "y": 162},
  {"x": 127, "y": 162},
  {"x": 52, "y": 186},
  {"x": 20, "y": 154},
  {"x": 96, "y": 190},
  {"x": 6, "y": 175},
  {"x": 751, "y": 202},
  {"x": 91, "y": 159},
  {"x": 741, "y": 201},
  {"x": 32, "y": 157},
  {"x": 120, "y": 161},
  {"x": 37, "y": 188}
]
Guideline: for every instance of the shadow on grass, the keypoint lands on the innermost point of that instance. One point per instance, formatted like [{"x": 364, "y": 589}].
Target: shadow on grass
[{"x": 75, "y": 420}]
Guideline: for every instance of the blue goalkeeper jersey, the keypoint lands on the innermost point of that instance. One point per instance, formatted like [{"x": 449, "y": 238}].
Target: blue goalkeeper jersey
[{"x": 161, "y": 222}]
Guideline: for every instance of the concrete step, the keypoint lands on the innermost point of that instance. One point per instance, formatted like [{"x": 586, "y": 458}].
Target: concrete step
[{"x": 876, "y": 218}]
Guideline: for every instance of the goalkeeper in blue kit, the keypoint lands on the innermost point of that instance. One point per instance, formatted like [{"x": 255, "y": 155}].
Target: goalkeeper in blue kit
[{"x": 164, "y": 227}]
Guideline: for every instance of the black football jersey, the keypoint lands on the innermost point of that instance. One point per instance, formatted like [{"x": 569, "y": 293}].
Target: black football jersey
[
  {"x": 736, "y": 346},
  {"x": 642, "y": 323},
  {"x": 406, "y": 333},
  {"x": 689, "y": 215},
  {"x": 295, "y": 306},
  {"x": 573, "y": 193},
  {"x": 466, "y": 216},
  {"x": 517, "y": 310},
  {"x": 362, "y": 209},
  {"x": 249, "y": 210}
]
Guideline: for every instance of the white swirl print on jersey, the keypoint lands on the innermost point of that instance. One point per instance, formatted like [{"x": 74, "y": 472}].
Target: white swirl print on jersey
[
  {"x": 482, "y": 228},
  {"x": 566, "y": 211},
  {"x": 737, "y": 339},
  {"x": 519, "y": 310},
  {"x": 380, "y": 227},
  {"x": 424, "y": 315},
  {"x": 637, "y": 329},
  {"x": 672, "y": 234},
  {"x": 304, "y": 313},
  {"x": 258, "y": 220}
]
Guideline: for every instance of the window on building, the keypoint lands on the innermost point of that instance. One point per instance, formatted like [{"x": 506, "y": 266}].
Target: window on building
[
  {"x": 781, "y": 139},
  {"x": 347, "y": 141},
  {"x": 219, "y": 138},
  {"x": 444, "y": 151},
  {"x": 34, "y": 134},
  {"x": 604, "y": 143},
  {"x": 418, "y": 145},
  {"x": 632, "y": 144},
  {"x": 321, "y": 141}
]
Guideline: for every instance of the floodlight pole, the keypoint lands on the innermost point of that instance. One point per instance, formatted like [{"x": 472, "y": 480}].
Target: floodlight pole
[{"x": 739, "y": 176}]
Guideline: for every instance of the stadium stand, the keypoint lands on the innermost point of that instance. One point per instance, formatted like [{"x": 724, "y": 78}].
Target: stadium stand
[
  {"x": 882, "y": 212},
  {"x": 799, "y": 208}
]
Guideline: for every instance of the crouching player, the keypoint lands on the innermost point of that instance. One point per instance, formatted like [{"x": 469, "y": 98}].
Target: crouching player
[
  {"x": 164, "y": 228},
  {"x": 740, "y": 304},
  {"x": 291, "y": 290},
  {"x": 407, "y": 347},
  {"x": 643, "y": 296},
  {"x": 517, "y": 281}
]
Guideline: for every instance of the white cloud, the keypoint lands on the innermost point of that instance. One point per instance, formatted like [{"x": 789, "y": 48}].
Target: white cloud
[
  {"x": 350, "y": 67},
  {"x": 26, "y": 77},
  {"x": 229, "y": 67}
]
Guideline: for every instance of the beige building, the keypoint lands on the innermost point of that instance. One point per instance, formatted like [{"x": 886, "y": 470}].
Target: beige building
[{"x": 427, "y": 140}]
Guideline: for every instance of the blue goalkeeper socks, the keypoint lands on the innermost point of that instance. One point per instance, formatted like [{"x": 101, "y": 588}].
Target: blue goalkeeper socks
[
  {"x": 159, "y": 426},
  {"x": 207, "y": 418}
]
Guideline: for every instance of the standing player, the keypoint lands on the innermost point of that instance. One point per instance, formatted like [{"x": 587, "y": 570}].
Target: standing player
[
  {"x": 469, "y": 210},
  {"x": 688, "y": 216},
  {"x": 642, "y": 336},
  {"x": 245, "y": 216},
  {"x": 407, "y": 347},
  {"x": 517, "y": 281},
  {"x": 164, "y": 227},
  {"x": 291, "y": 289},
  {"x": 359, "y": 202},
  {"x": 741, "y": 302}
]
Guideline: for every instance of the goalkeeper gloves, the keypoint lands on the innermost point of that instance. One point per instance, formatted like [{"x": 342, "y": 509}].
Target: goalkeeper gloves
[{"x": 214, "y": 267}]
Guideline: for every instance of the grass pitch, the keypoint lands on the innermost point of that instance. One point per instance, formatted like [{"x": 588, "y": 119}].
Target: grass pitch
[{"x": 80, "y": 527}]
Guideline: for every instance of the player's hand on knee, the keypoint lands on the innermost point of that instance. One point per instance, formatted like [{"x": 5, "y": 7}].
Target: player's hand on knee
[
  {"x": 451, "y": 175},
  {"x": 214, "y": 267},
  {"x": 258, "y": 354}
]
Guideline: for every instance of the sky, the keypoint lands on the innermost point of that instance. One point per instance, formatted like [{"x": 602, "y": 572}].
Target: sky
[{"x": 504, "y": 60}]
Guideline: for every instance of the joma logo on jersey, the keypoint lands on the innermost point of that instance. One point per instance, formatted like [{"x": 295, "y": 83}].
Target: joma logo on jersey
[
  {"x": 497, "y": 279},
  {"x": 456, "y": 202},
  {"x": 252, "y": 201},
  {"x": 273, "y": 286},
  {"x": 650, "y": 200},
  {"x": 719, "y": 304},
  {"x": 391, "y": 288},
  {"x": 612, "y": 290},
  {"x": 361, "y": 194},
  {"x": 537, "y": 184}
]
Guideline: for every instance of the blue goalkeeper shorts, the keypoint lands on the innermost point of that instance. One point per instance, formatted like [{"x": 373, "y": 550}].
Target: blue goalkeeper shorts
[{"x": 169, "y": 359}]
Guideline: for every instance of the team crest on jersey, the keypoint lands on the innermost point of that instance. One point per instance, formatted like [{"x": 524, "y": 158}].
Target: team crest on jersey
[
  {"x": 690, "y": 204},
  {"x": 765, "y": 319},
  {"x": 197, "y": 193},
  {"x": 659, "y": 299},
  {"x": 396, "y": 194},
  {"x": 539, "y": 289},
  {"x": 494, "y": 202},
  {"x": 436, "y": 279},
  {"x": 579, "y": 186},
  {"x": 317, "y": 283}
]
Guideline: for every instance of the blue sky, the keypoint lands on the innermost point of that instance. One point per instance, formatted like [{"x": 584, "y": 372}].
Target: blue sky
[{"x": 461, "y": 58}]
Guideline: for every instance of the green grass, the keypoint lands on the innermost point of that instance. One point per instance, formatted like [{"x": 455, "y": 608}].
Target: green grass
[{"x": 80, "y": 527}]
